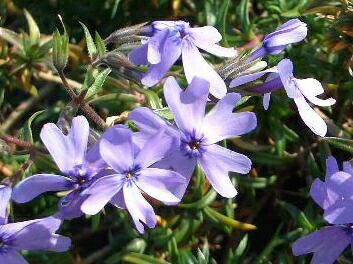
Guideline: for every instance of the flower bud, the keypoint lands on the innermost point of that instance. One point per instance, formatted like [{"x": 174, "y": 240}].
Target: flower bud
[
  {"x": 60, "y": 50},
  {"x": 290, "y": 32},
  {"x": 127, "y": 34},
  {"x": 121, "y": 65}
]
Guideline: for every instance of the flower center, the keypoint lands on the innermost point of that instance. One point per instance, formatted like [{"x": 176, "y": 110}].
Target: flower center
[
  {"x": 192, "y": 145},
  {"x": 129, "y": 175},
  {"x": 80, "y": 175},
  {"x": 182, "y": 33},
  {"x": 132, "y": 172}
]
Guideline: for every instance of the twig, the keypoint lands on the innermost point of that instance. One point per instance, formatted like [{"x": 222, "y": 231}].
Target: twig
[
  {"x": 18, "y": 175},
  {"x": 82, "y": 104},
  {"x": 22, "y": 144}
]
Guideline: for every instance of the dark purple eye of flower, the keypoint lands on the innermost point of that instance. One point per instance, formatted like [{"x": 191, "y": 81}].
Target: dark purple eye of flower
[
  {"x": 80, "y": 175},
  {"x": 182, "y": 33},
  {"x": 129, "y": 175},
  {"x": 192, "y": 146},
  {"x": 132, "y": 173}
]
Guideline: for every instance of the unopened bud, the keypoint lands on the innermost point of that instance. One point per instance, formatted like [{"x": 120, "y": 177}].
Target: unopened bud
[
  {"x": 121, "y": 65},
  {"x": 128, "y": 34},
  {"x": 60, "y": 50}
]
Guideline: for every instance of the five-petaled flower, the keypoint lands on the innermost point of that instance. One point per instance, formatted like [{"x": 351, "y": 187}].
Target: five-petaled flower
[
  {"x": 37, "y": 235},
  {"x": 169, "y": 40},
  {"x": 300, "y": 90},
  {"x": 198, "y": 133},
  {"x": 79, "y": 168},
  {"x": 335, "y": 194},
  {"x": 132, "y": 174},
  {"x": 335, "y": 197}
]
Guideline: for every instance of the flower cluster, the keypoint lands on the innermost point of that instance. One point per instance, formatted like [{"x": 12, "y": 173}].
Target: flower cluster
[
  {"x": 128, "y": 169},
  {"x": 158, "y": 160},
  {"x": 334, "y": 196}
]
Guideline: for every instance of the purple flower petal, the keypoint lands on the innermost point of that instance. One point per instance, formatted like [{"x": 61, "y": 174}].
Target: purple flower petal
[
  {"x": 290, "y": 32},
  {"x": 318, "y": 192},
  {"x": 331, "y": 167},
  {"x": 12, "y": 257},
  {"x": 59, "y": 147},
  {"x": 215, "y": 49},
  {"x": 171, "y": 52},
  {"x": 188, "y": 107},
  {"x": 93, "y": 159},
  {"x": 340, "y": 212},
  {"x": 154, "y": 149},
  {"x": 251, "y": 77},
  {"x": 207, "y": 34},
  {"x": 39, "y": 235},
  {"x": 310, "y": 117},
  {"x": 156, "y": 45},
  {"x": 196, "y": 66},
  {"x": 116, "y": 148},
  {"x": 118, "y": 200},
  {"x": 138, "y": 56},
  {"x": 310, "y": 88},
  {"x": 35, "y": 185},
  {"x": 78, "y": 135},
  {"x": 13, "y": 228},
  {"x": 233, "y": 124},
  {"x": 5, "y": 196},
  {"x": 140, "y": 210},
  {"x": 216, "y": 162},
  {"x": 325, "y": 252},
  {"x": 101, "y": 192},
  {"x": 285, "y": 70},
  {"x": 312, "y": 242},
  {"x": 347, "y": 167},
  {"x": 331, "y": 197},
  {"x": 146, "y": 120},
  {"x": 160, "y": 184},
  {"x": 342, "y": 183},
  {"x": 70, "y": 205},
  {"x": 181, "y": 164},
  {"x": 292, "y": 23},
  {"x": 160, "y": 25}
]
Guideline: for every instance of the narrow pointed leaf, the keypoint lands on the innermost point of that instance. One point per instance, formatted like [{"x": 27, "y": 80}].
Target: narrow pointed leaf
[
  {"x": 26, "y": 130},
  {"x": 100, "y": 45},
  {"x": 96, "y": 87},
  {"x": 34, "y": 33},
  {"x": 221, "y": 21},
  {"x": 92, "y": 49},
  {"x": 341, "y": 143}
]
